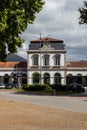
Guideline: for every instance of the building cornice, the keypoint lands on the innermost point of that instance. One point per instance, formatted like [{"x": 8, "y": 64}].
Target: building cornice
[
  {"x": 11, "y": 69},
  {"x": 77, "y": 69},
  {"x": 46, "y": 51},
  {"x": 62, "y": 68}
]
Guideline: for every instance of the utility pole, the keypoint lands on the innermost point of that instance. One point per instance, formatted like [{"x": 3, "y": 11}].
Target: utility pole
[{"x": 40, "y": 61}]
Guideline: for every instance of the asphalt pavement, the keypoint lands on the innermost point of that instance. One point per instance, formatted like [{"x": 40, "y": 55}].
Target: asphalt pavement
[{"x": 76, "y": 103}]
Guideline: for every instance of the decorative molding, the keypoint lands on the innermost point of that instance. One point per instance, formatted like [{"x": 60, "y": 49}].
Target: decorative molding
[
  {"x": 47, "y": 47},
  {"x": 56, "y": 66},
  {"x": 76, "y": 69},
  {"x": 35, "y": 66},
  {"x": 46, "y": 66}
]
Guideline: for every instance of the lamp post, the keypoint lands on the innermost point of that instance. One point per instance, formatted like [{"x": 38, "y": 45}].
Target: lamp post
[
  {"x": 40, "y": 61},
  {"x": 12, "y": 78},
  {"x": 19, "y": 79}
]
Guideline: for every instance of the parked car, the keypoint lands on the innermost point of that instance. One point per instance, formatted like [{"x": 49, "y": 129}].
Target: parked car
[
  {"x": 85, "y": 88},
  {"x": 2, "y": 85},
  {"x": 80, "y": 88},
  {"x": 76, "y": 88},
  {"x": 8, "y": 86}
]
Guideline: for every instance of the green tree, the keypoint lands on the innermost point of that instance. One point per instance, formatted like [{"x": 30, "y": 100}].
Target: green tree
[
  {"x": 36, "y": 77},
  {"x": 83, "y": 14},
  {"x": 15, "y": 15}
]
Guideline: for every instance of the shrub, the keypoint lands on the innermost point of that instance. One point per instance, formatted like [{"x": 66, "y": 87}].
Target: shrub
[
  {"x": 27, "y": 87},
  {"x": 47, "y": 88},
  {"x": 36, "y": 77},
  {"x": 37, "y": 87},
  {"x": 58, "y": 87}
]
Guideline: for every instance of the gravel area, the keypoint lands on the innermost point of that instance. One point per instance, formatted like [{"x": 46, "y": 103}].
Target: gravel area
[{"x": 16, "y": 115}]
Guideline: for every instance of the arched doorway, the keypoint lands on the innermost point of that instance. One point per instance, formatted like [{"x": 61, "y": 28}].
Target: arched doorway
[
  {"x": 69, "y": 79},
  {"x": 6, "y": 79},
  {"x": 57, "y": 78},
  {"x": 79, "y": 79},
  {"x": 46, "y": 78}
]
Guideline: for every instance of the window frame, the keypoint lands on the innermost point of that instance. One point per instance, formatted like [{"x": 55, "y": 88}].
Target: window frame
[
  {"x": 46, "y": 60},
  {"x": 57, "y": 60},
  {"x": 35, "y": 60}
]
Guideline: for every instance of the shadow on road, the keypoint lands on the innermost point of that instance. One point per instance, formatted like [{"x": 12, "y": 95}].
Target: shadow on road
[{"x": 33, "y": 93}]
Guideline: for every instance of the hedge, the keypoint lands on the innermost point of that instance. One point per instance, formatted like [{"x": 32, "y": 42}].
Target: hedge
[{"x": 37, "y": 87}]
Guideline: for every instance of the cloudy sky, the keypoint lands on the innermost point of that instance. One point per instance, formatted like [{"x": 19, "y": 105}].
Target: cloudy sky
[{"x": 59, "y": 19}]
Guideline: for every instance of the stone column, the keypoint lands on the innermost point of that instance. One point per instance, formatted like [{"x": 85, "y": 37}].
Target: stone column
[{"x": 84, "y": 81}]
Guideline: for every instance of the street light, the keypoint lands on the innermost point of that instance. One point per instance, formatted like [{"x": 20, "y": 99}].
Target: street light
[
  {"x": 12, "y": 78},
  {"x": 40, "y": 62},
  {"x": 19, "y": 75}
]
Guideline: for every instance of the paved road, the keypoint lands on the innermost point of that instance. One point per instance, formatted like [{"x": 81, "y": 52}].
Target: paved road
[{"x": 75, "y": 103}]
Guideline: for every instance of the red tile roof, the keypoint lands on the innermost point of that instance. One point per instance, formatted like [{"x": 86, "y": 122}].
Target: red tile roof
[
  {"x": 13, "y": 64},
  {"x": 77, "y": 64},
  {"x": 47, "y": 39},
  {"x": 24, "y": 64}
]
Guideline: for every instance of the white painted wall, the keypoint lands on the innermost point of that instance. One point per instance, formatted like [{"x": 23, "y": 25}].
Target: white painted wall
[
  {"x": 74, "y": 73},
  {"x": 51, "y": 61},
  {"x": 51, "y": 64},
  {"x": 62, "y": 60},
  {"x": 2, "y": 73},
  {"x": 9, "y": 71}
]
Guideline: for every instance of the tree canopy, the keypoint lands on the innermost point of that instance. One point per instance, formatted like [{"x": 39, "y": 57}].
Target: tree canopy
[
  {"x": 15, "y": 15},
  {"x": 83, "y": 13}
]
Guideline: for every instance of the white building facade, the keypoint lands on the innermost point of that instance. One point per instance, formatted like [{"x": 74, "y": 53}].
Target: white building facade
[
  {"x": 49, "y": 61},
  {"x": 47, "y": 56}
]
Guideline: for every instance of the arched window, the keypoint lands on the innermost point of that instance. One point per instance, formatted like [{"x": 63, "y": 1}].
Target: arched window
[
  {"x": 79, "y": 78},
  {"x": 79, "y": 75},
  {"x": 6, "y": 79},
  {"x": 57, "y": 78},
  {"x": 35, "y": 60},
  {"x": 46, "y": 78},
  {"x": 57, "y": 60},
  {"x": 46, "y": 60}
]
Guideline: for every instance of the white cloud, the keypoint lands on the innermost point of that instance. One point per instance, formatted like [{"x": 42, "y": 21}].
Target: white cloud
[
  {"x": 60, "y": 19},
  {"x": 22, "y": 53}
]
